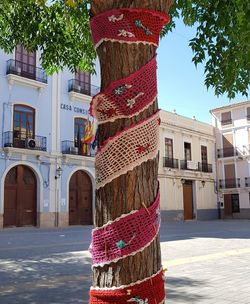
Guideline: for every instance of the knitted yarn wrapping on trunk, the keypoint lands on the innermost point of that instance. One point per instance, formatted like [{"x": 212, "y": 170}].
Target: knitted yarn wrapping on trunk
[
  {"x": 126, "y": 97},
  {"x": 127, "y": 235},
  {"x": 127, "y": 149},
  {"x": 148, "y": 291},
  {"x": 128, "y": 26}
]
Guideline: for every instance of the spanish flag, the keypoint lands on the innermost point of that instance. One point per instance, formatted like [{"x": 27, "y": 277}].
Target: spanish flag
[{"x": 89, "y": 133}]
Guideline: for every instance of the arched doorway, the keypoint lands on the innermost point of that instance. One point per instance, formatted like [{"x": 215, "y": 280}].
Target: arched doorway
[
  {"x": 20, "y": 197},
  {"x": 80, "y": 199}
]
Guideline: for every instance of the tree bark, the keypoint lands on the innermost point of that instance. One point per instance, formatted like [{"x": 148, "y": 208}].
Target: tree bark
[{"x": 129, "y": 191}]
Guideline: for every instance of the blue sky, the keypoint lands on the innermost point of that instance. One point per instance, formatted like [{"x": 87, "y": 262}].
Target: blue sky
[{"x": 180, "y": 83}]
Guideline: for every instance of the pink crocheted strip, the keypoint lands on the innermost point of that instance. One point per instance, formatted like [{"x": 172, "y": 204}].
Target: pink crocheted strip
[
  {"x": 127, "y": 236},
  {"x": 128, "y": 26},
  {"x": 126, "y": 97},
  {"x": 127, "y": 150}
]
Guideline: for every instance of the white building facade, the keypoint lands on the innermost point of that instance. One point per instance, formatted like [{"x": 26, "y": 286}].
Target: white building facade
[
  {"x": 46, "y": 168},
  {"x": 187, "y": 170},
  {"x": 232, "y": 133}
]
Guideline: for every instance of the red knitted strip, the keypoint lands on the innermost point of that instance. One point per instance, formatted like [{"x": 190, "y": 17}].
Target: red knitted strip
[
  {"x": 126, "y": 97},
  {"x": 149, "y": 291},
  {"x": 128, "y": 25},
  {"x": 126, "y": 236}
]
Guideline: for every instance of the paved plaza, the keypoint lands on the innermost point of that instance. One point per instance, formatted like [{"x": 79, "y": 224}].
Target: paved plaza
[{"x": 208, "y": 262}]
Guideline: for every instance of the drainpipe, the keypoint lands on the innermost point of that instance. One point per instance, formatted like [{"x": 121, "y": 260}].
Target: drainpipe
[{"x": 216, "y": 181}]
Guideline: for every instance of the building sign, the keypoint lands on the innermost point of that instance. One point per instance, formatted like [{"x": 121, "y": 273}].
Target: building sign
[{"x": 74, "y": 109}]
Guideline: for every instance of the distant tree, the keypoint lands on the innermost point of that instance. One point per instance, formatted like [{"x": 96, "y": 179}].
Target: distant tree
[{"x": 61, "y": 30}]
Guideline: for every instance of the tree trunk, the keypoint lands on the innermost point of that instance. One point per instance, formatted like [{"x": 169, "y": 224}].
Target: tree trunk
[{"x": 127, "y": 192}]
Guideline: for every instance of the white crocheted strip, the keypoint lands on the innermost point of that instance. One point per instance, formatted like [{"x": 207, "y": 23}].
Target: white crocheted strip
[
  {"x": 122, "y": 42},
  {"x": 126, "y": 286},
  {"x": 127, "y": 150}
]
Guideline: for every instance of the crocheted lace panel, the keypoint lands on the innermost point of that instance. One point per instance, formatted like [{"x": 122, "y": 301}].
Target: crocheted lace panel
[
  {"x": 128, "y": 26},
  {"x": 127, "y": 149},
  {"x": 126, "y": 236},
  {"x": 126, "y": 97},
  {"x": 148, "y": 291}
]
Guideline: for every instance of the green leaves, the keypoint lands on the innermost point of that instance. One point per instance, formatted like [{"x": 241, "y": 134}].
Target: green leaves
[
  {"x": 60, "y": 29},
  {"x": 222, "y": 41}
]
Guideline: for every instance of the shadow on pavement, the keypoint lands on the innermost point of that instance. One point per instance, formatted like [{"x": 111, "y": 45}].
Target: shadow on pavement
[
  {"x": 176, "y": 289},
  {"x": 46, "y": 280}
]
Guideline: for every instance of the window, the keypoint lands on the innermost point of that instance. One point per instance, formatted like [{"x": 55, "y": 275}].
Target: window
[
  {"x": 248, "y": 113},
  {"x": 23, "y": 124},
  {"x": 79, "y": 128},
  {"x": 235, "y": 203},
  {"x": 83, "y": 80},
  {"x": 26, "y": 61},
  {"x": 187, "y": 151},
  {"x": 226, "y": 118},
  {"x": 204, "y": 154},
  {"x": 169, "y": 148}
]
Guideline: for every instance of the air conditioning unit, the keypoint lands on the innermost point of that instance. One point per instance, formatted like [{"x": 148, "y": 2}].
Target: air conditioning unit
[
  {"x": 73, "y": 150},
  {"x": 30, "y": 143},
  {"x": 192, "y": 165},
  {"x": 19, "y": 70}
]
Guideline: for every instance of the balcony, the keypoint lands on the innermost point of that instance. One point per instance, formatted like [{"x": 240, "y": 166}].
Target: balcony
[
  {"x": 81, "y": 87},
  {"x": 25, "y": 70},
  {"x": 188, "y": 165},
  {"x": 246, "y": 150},
  {"x": 70, "y": 147},
  {"x": 22, "y": 140},
  {"x": 226, "y": 122},
  {"x": 227, "y": 152},
  {"x": 205, "y": 167},
  {"x": 170, "y": 163},
  {"x": 229, "y": 183},
  {"x": 247, "y": 181}
]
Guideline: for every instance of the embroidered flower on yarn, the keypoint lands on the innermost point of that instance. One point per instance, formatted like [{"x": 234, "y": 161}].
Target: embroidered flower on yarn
[
  {"x": 124, "y": 33},
  {"x": 138, "y": 300},
  {"x": 121, "y": 244},
  {"x": 108, "y": 113},
  {"x": 142, "y": 149},
  {"x": 131, "y": 102},
  {"x": 113, "y": 18},
  {"x": 139, "y": 24},
  {"x": 157, "y": 216},
  {"x": 121, "y": 89}
]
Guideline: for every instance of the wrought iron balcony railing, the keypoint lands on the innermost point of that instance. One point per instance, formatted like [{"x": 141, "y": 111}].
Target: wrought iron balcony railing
[
  {"x": 188, "y": 165},
  {"x": 170, "y": 163},
  {"x": 24, "y": 140},
  {"x": 205, "y": 167},
  {"x": 86, "y": 88},
  {"x": 247, "y": 181},
  {"x": 226, "y": 122},
  {"x": 26, "y": 70},
  {"x": 227, "y": 152},
  {"x": 73, "y": 148},
  {"x": 229, "y": 183}
]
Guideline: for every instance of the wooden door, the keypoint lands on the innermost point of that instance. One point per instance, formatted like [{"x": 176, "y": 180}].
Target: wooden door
[
  {"x": 188, "y": 200},
  {"x": 20, "y": 203},
  {"x": 228, "y": 206},
  {"x": 80, "y": 199},
  {"x": 228, "y": 148},
  {"x": 230, "y": 180}
]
